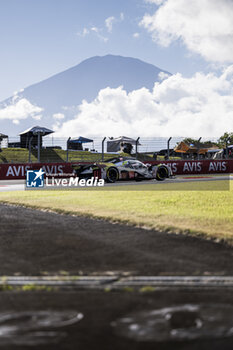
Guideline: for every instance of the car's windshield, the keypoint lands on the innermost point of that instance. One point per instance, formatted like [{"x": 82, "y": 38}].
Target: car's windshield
[{"x": 135, "y": 164}]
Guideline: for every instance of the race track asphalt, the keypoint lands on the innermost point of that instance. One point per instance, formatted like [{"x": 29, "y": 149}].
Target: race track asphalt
[
  {"x": 33, "y": 241},
  {"x": 100, "y": 310},
  {"x": 19, "y": 185}
]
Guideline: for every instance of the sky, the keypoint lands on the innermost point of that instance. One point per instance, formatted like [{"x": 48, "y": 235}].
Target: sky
[
  {"x": 192, "y": 39},
  {"x": 39, "y": 38}
]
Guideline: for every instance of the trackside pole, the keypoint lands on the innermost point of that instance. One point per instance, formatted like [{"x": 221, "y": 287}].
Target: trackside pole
[
  {"x": 103, "y": 147},
  {"x": 198, "y": 147},
  {"x": 227, "y": 153},
  {"x": 38, "y": 149},
  {"x": 67, "y": 149},
  {"x": 168, "y": 147},
  {"x": 137, "y": 141},
  {"x": 30, "y": 150}
]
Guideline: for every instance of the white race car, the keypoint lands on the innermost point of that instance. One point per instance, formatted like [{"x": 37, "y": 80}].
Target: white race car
[{"x": 124, "y": 169}]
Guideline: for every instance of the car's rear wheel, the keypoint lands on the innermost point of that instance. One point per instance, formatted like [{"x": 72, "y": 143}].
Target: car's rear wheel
[{"x": 112, "y": 175}]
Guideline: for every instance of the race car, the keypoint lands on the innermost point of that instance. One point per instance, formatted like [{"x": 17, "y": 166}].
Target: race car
[{"x": 123, "y": 169}]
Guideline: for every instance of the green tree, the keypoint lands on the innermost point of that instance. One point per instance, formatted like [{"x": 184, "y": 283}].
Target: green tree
[
  {"x": 226, "y": 138},
  {"x": 195, "y": 142}
]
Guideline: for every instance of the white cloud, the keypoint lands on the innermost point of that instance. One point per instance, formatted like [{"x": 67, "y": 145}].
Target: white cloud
[
  {"x": 94, "y": 30},
  {"x": 58, "y": 116},
  {"x": 157, "y": 2},
  {"x": 16, "y": 93},
  {"x": 198, "y": 106},
  {"x": 19, "y": 109},
  {"x": 136, "y": 35},
  {"x": 98, "y": 31},
  {"x": 84, "y": 32},
  {"x": 109, "y": 23},
  {"x": 163, "y": 75},
  {"x": 103, "y": 38},
  {"x": 204, "y": 26},
  {"x": 37, "y": 117},
  {"x": 111, "y": 20}
]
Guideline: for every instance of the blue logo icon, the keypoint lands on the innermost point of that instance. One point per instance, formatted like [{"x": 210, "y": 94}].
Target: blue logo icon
[{"x": 35, "y": 178}]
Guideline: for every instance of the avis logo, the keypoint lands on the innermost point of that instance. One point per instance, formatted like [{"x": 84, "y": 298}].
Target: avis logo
[{"x": 35, "y": 178}]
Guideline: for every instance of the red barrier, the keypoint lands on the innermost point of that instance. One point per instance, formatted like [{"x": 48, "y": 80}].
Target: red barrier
[
  {"x": 18, "y": 171},
  {"x": 182, "y": 167}
]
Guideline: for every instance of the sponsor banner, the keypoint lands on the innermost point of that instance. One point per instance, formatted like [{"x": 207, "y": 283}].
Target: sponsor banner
[
  {"x": 182, "y": 167},
  {"x": 18, "y": 171}
]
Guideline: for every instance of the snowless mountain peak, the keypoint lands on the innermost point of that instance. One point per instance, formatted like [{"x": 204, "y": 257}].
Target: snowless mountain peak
[{"x": 60, "y": 95}]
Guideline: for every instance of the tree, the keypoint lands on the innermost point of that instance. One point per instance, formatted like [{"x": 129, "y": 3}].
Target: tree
[
  {"x": 195, "y": 143},
  {"x": 225, "y": 139}
]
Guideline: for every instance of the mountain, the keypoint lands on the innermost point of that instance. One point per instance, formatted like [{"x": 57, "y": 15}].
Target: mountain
[{"x": 63, "y": 92}]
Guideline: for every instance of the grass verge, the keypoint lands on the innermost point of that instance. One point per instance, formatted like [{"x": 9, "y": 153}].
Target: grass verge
[
  {"x": 203, "y": 213},
  {"x": 21, "y": 155}
]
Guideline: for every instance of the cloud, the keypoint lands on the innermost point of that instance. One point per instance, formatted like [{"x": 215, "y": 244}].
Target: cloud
[
  {"x": 93, "y": 30},
  {"x": 19, "y": 109},
  {"x": 16, "y": 93},
  {"x": 136, "y": 35},
  {"x": 110, "y": 20},
  {"x": 109, "y": 23},
  {"x": 163, "y": 75},
  {"x": 84, "y": 32},
  {"x": 98, "y": 31},
  {"x": 103, "y": 38},
  {"x": 58, "y": 116},
  {"x": 203, "y": 26},
  {"x": 37, "y": 117},
  {"x": 156, "y": 2},
  {"x": 198, "y": 106}
]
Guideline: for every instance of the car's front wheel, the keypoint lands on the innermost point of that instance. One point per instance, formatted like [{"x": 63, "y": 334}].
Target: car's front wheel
[{"x": 162, "y": 173}]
